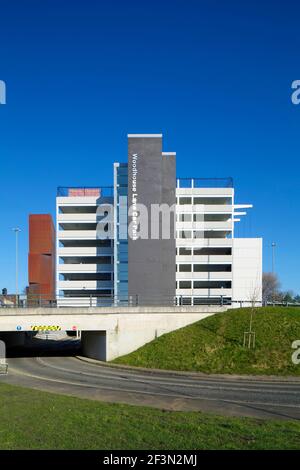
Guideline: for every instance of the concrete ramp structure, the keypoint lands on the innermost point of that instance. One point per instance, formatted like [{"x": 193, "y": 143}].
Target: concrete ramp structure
[{"x": 106, "y": 332}]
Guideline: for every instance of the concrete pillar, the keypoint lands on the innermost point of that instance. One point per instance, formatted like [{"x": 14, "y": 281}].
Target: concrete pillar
[{"x": 94, "y": 344}]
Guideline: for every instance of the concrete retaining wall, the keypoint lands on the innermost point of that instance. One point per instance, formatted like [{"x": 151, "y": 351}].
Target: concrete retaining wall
[
  {"x": 105, "y": 335},
  {"x": 131, "y": 332}
]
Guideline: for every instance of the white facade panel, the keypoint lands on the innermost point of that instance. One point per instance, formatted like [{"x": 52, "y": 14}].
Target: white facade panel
[
  {"x": 204, "y": 242},
  {"x": 83, "y": 268},
  {"x": 77, "y": 234},
  {"x": 203, "y": 225},
  {"x": 82, "y": 285},
  {"x": 204, "y": 276},
  {"x": 247, "y": 273},
  {"x": 84, "y": 251},
  {"x": 78, "y": 217},
  {"x": 76, "y": 201},
  {"x": 212, "y": 259}
]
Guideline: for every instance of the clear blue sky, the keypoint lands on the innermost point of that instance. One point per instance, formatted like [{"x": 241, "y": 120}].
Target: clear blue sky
[{"x": 213, "y": 76}]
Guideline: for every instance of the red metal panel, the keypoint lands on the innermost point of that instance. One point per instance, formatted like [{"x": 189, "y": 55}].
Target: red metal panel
[
  {"x": 41, "y": 257},
  {"x": 41, "y": 234},
  {"x": 33, "y": 268},
  {"x": 80, "y": 192}
]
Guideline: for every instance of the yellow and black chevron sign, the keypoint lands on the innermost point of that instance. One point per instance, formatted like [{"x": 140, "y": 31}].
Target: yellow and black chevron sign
[{"x": 46, "y": 328}]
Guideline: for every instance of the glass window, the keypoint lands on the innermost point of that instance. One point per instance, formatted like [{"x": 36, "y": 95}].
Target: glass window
[
  {"x": 123, "y": 267},
  {"x": 122, "y": 171},
  {"x": 123, "y": 257},
  {"x": 122, "y": 248},
  {"x": 123, "y": 276},
  {"x": 122, "y": 180},
  {"x": 122, "y": 191},
  {"x": 123, "y": 288}
]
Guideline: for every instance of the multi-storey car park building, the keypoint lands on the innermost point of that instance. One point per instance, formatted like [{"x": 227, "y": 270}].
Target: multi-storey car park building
[
  {"x": 84, "y": 269},
  {"x": 103, "y": 254},
  {"x": 211, "y": 264}
]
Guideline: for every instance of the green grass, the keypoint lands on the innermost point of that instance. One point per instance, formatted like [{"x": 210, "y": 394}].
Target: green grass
[
  {"x": 215, "y": 344},
  {"x": 38, "y": 420}
]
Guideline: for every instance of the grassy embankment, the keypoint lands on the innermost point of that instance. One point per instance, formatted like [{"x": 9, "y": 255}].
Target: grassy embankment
[{"x": 215, "y": 344}]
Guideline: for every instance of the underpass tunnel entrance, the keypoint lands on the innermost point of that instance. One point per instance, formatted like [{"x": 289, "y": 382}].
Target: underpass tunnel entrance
[{"x": 41, "y": 343}]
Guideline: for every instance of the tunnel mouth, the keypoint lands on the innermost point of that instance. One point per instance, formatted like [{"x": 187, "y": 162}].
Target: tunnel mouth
[{"x": 36, "y": 345}]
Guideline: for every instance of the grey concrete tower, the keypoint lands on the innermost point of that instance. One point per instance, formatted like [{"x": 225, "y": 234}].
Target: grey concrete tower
[{"x": 151, "y": 253}]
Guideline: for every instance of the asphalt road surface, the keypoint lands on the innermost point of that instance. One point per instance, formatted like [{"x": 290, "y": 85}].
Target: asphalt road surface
[{"x": 62, "y": 372}]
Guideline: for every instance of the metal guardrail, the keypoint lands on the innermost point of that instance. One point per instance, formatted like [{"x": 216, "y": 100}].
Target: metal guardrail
[
  {"x": 205, "y": 182},
  {"x": 102, "y": 300}
]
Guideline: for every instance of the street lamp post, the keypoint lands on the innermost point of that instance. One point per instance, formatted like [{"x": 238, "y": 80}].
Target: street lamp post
[
  {"x": 17, "y": 230},
  {"x": 273, "y": 257}
]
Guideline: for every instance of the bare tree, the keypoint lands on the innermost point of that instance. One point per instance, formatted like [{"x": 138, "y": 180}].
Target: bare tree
[
  {"x": 254, "y": 300},
  {"x": 270, "y": 286}
]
